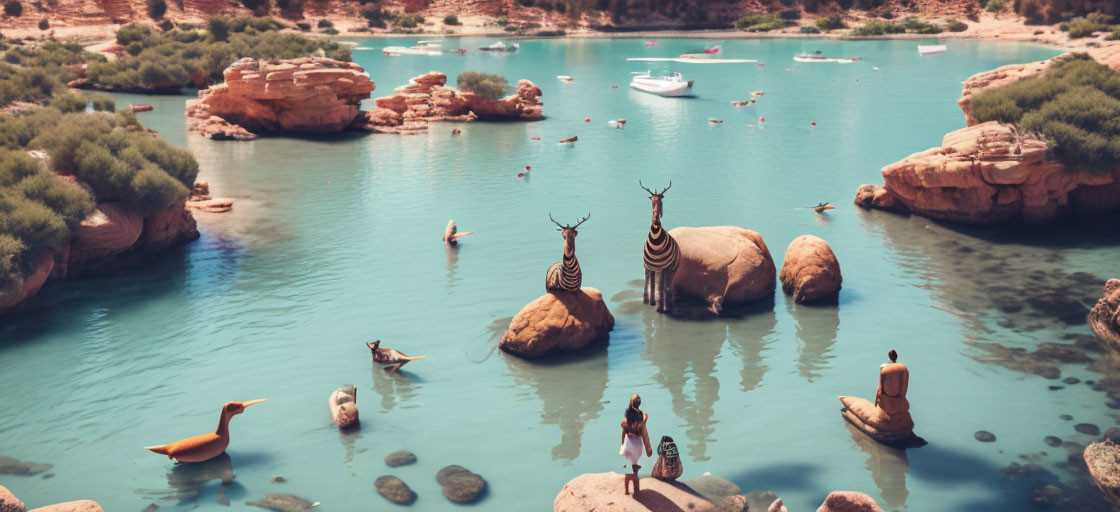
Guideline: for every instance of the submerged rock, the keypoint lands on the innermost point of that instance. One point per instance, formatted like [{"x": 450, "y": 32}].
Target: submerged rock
[
  {"x": 13, "y": 466},
  {"x": 1104, "y": 318},
  {"x": 1087, "y": 429},
  {"x": 810, "y": 271},
  {"x": 1103, "y": 461},
  {"x": 713, "y": 488},
  {"x": 282, "y": 503},
  {"x": 558, "y": 321},
  {"x": 984, "y": 436},
  {"x": 460, "y": 484},
  {"x": 400, "y": 458},
  {"x": 394, "y": 489},
  {"x": 849, "y": 501},
  {"x": 603, "y": 491},
  {"x": 723, "y": 265},
  {"x": 734, "y": 503},
  {"x": 8, "y": 501},
  {"x": 1053, "y": 441}
]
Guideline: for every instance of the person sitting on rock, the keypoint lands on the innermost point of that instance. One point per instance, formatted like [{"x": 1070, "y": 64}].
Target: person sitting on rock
[
  {"x": 888, "y": 419},
  {"x": 893, "y": 379},
  {"x": 634, "y": 436},
  {"x": 668, "y": 465}
]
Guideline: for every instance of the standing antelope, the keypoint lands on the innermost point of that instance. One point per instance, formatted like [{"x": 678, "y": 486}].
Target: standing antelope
[
  {"x": 661, "y": 258},
  {"x": 565, "y": 276}
]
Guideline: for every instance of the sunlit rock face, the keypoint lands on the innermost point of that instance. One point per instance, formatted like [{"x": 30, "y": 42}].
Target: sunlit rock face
[{"x": 1104, "y": 318}]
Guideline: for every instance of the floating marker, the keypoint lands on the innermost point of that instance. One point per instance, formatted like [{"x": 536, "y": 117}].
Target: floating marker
[
  {"x": 614, "y": 87},
  {"x": 587, "y": 119},
  {"x": 814, "y": 123},
  {"x": 761, "y": 119}
]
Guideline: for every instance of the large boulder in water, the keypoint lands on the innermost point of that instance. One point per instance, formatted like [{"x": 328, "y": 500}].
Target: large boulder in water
[
  {"x": 558, "y": 321},
  {"x": 849, "y": 501},
  {"x": 8, "y": 501},
  {"x": 604, "y": 491},
  {"x": 1104, "y": 318},
  {"x": 1103, "y": 461},
  {"x": 875, "y": 422},
  {"x": 810, "y": 271},
  {"x": 723, "y": 265}
]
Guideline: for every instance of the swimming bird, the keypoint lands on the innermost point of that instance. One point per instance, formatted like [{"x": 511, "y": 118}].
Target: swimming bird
[
  {"x": 206, "y": 446},
  {"x": 821, "y": 207},
  {"x": 390, "y": 358}
]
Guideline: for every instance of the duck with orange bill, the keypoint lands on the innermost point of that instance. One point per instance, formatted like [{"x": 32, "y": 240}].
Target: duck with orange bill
[
  {"x": 390, "y": 359},
  {"x": 206, "y": 446},
  {"x": 451, "y": 235}
]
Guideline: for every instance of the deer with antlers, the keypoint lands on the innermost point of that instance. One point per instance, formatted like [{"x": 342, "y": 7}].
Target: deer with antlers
[
  {"x": 565, "y": 276},
  {"x": 661, "y": 257}
]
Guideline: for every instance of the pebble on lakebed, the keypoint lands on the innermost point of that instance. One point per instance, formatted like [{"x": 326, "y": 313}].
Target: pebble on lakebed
[
  {"x": 277, "y": 479},
  {"x": 283, "y": 503},
  {"x": 1087, "y": 428},
  {"x": 1053, "y": 441},
  {"x": 460, "y": 484},
  {"x": 984, "y": 436},
  {"x": 400, "y": 458},
  {"x": 394, "y": 489}
]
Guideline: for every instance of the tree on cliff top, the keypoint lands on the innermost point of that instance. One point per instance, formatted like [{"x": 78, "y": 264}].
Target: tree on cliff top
[
  {"x": 1074, "y": 105},
  {"x": 487, "y": 86}
]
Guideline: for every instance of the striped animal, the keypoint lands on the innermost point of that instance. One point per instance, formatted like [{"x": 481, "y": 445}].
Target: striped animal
[
  {"x": 661, "y": 257},
  {"x": 565, "y": 276}
]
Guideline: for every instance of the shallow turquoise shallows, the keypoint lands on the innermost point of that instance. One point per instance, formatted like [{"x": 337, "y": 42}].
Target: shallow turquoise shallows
[{"x": 335, "y": 241}]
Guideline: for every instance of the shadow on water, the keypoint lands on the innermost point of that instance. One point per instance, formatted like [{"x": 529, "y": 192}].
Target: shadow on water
[
  {"x": 570, "y": 387},
  {"x": 188, "y": 482},
  {"x": 452, "y": 252}
]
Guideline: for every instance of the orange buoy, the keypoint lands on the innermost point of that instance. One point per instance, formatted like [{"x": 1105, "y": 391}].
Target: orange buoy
[
  {"x": 788, "y": 70},
  {"x": 534, "y": 138},
  {"x": 716, "y": 121},
  {"x": 857, "y": 79},
  {"x": 528, "y": 168}
]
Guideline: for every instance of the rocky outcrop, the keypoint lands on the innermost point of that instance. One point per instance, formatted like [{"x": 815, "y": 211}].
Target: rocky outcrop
[
  {"x": 40, "y": 271},
  {"x": 308, "y": 95},
  {"x": 1103, "y": 461},
  {"x": 111, "y": 229},
  {"x": 849, "y": 501},
  {"x": 460, "y": 484},
  {"x": 1104, "y": 318},
  {"x": 558, "y": 321},
  {"x": 990, "y": 173},
  {"x": 880, "y": 425},
  {"x": 8, "y": 502},
  {"x": 71, "y": 506},
  {"x": 427, "y": 98},
  {"x": 810, "y": 271},
  {"x": 200, "y": 200},
  {"x": 723, "y": 265},
  {"x": 603, "y": 491}
]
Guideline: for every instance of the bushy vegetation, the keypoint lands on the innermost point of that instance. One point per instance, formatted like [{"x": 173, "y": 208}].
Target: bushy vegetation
[
  {"x": 375, "y": 16},
  {"x": 486, "y": 85},
  {"x": 259, "y": 7},
  {"x": 13, "y": 8},
  {"x": 878, "y": 28},
  {"x": 405, "y": 20},
  {"x": 761, "y": 23},
  {"x": 956, "y": 26},
  {"x": 451, "y": 19},
  {"x": 1075, "y": 105},
  {"x": 919, "y": 26},
  {"x": 1086, "y": 26},
  {"x": 831, "y": 22},
  {"x": 325, "y": 24},
  {"x": 995, "y": 5},
  {"x": 180, "y": 57}
]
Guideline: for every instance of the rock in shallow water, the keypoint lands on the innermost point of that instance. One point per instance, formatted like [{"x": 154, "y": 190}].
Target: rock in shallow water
[
  {"x": 713, "y": 488},
  {"x": 734, "y": 503},
  {"x": 394, "y": 489},
  {"x": 1088, "y": 429},
  {"x": 849, "y": 501},
  {"x": 460, "y": 484},
  {"x": 72, "y": 506},
  {"x": 1053, "y": 441},
  {"x": 282, "y": 503},
  {"x": 1103, "y": 461},
  {"x": 400, "y": 458},
  {"x": 984, "y": 436},
  {"x": 810, "y": 271},
  {"x": 558, "y": 321},
  {"x": 603, "y": 491},
  {"x": 8, "y": 501}
]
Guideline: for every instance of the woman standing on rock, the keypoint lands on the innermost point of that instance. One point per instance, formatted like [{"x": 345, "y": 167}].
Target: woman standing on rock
[{"x": 634, "y": 436}]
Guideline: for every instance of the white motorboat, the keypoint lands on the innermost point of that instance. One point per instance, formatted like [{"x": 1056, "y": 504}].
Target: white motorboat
[
  {"x": 809, "y": 57},
  {"x": 933, "y": 49},
  {"x": 421, "y": 48},
  {"x": 671, "y": 84},
  {"x": 501, "y": 47}
]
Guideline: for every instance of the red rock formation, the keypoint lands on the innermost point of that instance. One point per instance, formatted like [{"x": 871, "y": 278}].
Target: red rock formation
[
  {"x": 312, "y": 95},
  {"x": 723, "y": 265},
  {"x": 558, "y": 321},
  {"x": 110, "y": 230},
  {"x": 603, "y": 491},
  {"x": 990, "y": 173},
  {"x": 72, "y": 506},
  {"x": 8, "y": 502},
  {"x": 200, "y": 200},
  {"x": 810, "y": 271},
  {"x": 1104, "y": 318},
  {"x": 849, "y": 501},
  {"x": 40, "y": 271}
]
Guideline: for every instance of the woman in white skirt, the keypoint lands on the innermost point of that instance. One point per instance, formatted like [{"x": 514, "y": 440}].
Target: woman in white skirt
[{"x": 634, "y": 437}]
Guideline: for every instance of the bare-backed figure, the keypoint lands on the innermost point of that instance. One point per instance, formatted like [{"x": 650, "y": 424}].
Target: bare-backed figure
[{"x": 390, "y": 359}]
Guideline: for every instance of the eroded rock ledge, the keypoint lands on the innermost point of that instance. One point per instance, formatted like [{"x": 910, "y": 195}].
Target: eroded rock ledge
[{"x": 989, "y": 173}]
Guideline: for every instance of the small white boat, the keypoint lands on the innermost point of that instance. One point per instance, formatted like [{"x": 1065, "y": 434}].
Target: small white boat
[
  {"x": 671, "y": 84},
  {"x": 807, "y": 57},
  {"x": 421, "y": 48},
  {"x": 564, "y": 78},
  {"x": 500, "y": 47},
  {"x": 932, "y": 49}
]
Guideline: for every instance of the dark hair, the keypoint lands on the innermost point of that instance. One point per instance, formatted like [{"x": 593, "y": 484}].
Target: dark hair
[
  {"x": 893, "y": 355},
  {"x": 633, "y": 413}
]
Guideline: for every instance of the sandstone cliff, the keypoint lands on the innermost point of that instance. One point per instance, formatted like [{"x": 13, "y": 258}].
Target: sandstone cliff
[{"x": 990, "y": 173}]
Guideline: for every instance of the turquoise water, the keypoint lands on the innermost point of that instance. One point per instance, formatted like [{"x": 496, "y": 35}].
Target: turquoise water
[{"x": 335, "y": 241}]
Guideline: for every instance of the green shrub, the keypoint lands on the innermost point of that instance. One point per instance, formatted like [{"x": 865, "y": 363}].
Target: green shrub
[
  {"x": 291, "y": 8},
  {"x": 501, "y": 21},
  {"x": 325, "y": 24},
  {"x": 103, "y": 103},
  {"x": 878, "y": 28},
  {"x": 330, "y": 31},
  {"x": 956, "y": 26},
  {"x": 218, "y": 26},
  {"x": 1114, "y": 36},
  {"x": 451, "y": 19},
  {"x": 304, "y": 27},
  {"x": 156, "y": 9},
  {"x": 486, "y": 85},
  {"x": 995, "y": 6},
  {"x": 44, "y": 24},
  {"x": 166, "y": 25},
  {"x": 918, "y": 26},
  {"x": 1075, "y": 106},
  {"x": 1082, "y": 27},
  {"x": 259, "y": 7},
  {"x": 375, "y": 16},
  {"x": 404, "y": 20},
  {"x": 831, "y": 22},
  {"x": 760, "y": 23},
  {"x": 66, "y": 101},
  {"x": 13, "y": 8}
]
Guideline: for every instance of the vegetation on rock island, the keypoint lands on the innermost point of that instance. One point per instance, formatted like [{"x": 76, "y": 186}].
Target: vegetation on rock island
[
  {"x": 1074, "y": 105},
  {"x": 487, "y": 86},
  {"x": 111, "y": 159}
]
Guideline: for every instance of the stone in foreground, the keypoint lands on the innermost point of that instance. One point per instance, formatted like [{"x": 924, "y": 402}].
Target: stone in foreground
[
  {"x": 810, "y": 271},
  {"x": 558, "y": 321},
  {"x": 1103, "y": 460},
  {"x": 603, "y": 491},
  {"x": 880, "y": 425},
  {"x": 460, "y": 485},
  {"x": 282, "y": 503},
  {"x": 72, "y": 506},
  {"x": 849, "y": 501},
  {"x": 723, "y": 265},
  {"x": 394, "y": 489},
  {"x": 8, "y": 501}
]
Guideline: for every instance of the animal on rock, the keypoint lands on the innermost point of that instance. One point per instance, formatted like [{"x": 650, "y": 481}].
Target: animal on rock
[
  {"x": 565, "y": 276},
  {"x": 660, "y": 258}
]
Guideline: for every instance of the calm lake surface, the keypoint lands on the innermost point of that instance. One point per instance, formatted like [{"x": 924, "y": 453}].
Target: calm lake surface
[{"x": 335, "y": 241}]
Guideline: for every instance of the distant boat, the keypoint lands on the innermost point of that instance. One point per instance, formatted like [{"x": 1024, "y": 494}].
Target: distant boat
[
  {"x": 564, "y": 78},
  {"x": 808, "y": 57},
  {"x": 932, "y": 49},
  {"x": 421, "y": 48},
  {"x": 650, "y": 44},
  {"x": 501, "y": 47},
  {"x": 460, "y": 51},
  {"x": 672, "y": 84}
]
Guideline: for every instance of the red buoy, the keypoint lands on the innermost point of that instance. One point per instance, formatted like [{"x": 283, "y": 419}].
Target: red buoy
[
  {"x": 814, "y": 123},
  {"x": 761, "y": 119},
  {"x": 587, "y": 119},
  {"x": 788, "y": 70},
  {"x": 614, "y": 87},
  {"x": 528, "y": 168},
  {"x": 761, "y": 64},
  {"x": 857, "y": 79}
]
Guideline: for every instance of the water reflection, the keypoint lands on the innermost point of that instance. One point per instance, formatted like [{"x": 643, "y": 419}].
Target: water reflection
[
  {"x": 349, "y": 438},
  {"x": 888, "y": 467},
  {"x": 452, "y": 252},
  {"x": 816, "y": 328},
  {"x": 186, "y": 481},
  {"x": 394, "y": 387},
  {"x": 570, "y": 388},
  {"x": 749, "y": 336}
]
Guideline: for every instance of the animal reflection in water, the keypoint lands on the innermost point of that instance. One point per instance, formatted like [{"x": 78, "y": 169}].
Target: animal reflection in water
[
  {"x": 395, "y": 388},
  {"x": 186, "y": 482}
]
